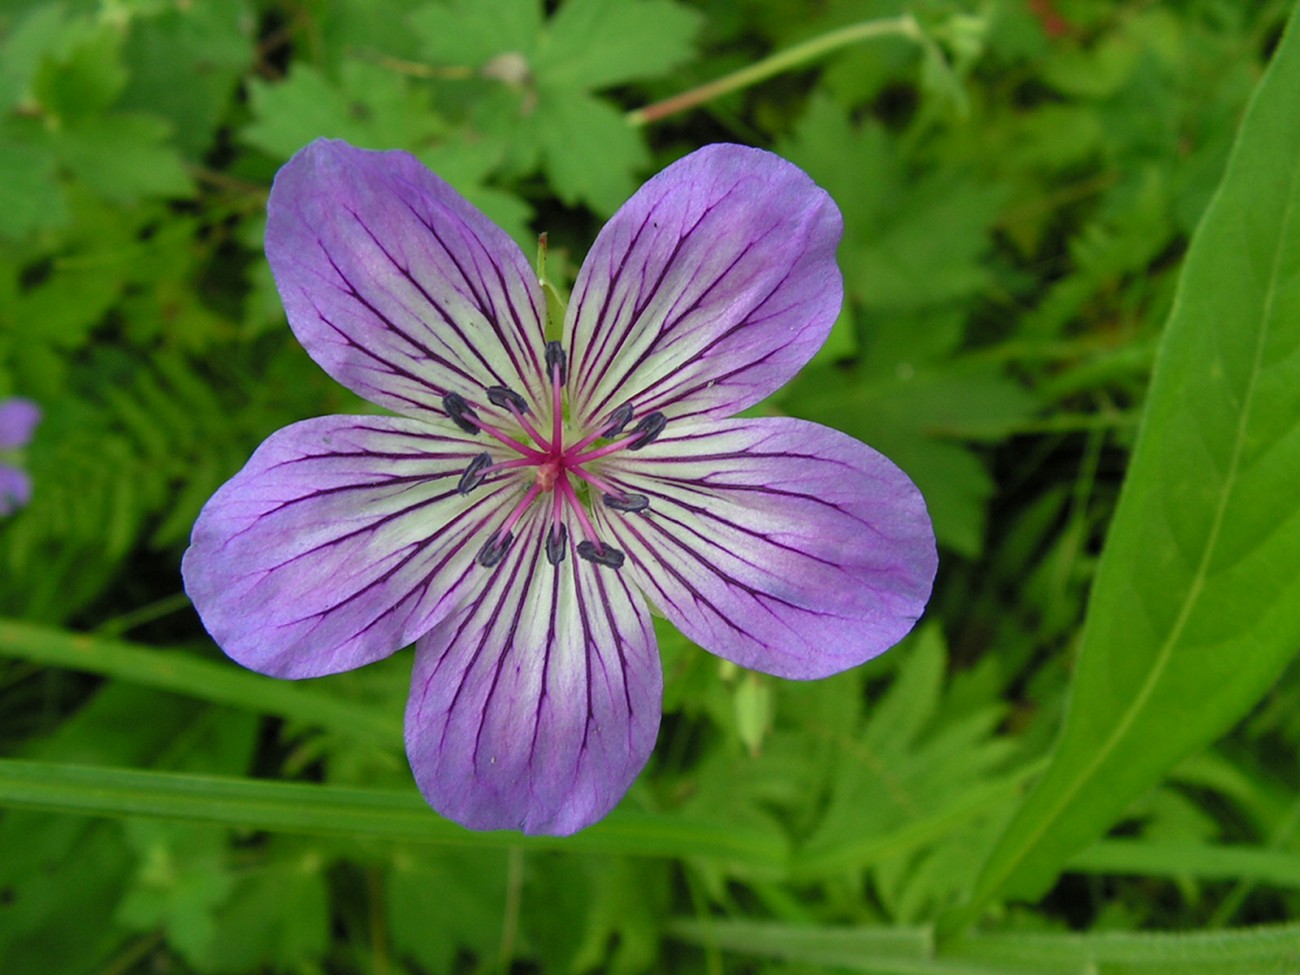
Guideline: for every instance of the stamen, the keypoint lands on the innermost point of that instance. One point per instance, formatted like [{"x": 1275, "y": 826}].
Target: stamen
[
  {"x": 620, "y": 418},
  {"x": 557, "y": 544},
  {"x": 594, "y": 481},
  {"x": 555, "y": 358},
  {"x": 507, "y": 399},
  {"x": 601, "y": 554},
  {"x": 565, "y": 489},
  {"x": 651, "y": 425},
  {"x": 460, "y": 412},
  {"x": 494, "y": 549},
  {"x": 627, "y": 502},
  {"x": 474, "y": 473}
]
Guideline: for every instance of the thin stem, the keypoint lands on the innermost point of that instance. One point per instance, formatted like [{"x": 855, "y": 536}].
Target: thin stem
[
  {"x": 536, "y": 456},
  {"x": 513, "y": 518},
  {"x": 571, "y": 498},
  {"x": 603, "y": 486},
  {"x": 557, "y": 409},
  {"x": 609, "y": 448},
  {"x": 529, "y": 429},
  {"x": 901, "y": 26}
]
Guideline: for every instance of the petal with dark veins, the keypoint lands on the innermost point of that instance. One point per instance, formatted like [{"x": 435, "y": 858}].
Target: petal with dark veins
[{"x": 779, "y": 544}]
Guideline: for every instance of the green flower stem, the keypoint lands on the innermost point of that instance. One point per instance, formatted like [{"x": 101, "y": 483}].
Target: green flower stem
[{"x": 901, "y": 26}]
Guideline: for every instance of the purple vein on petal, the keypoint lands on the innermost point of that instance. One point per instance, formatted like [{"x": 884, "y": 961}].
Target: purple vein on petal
[
  {"x": 447, "y": 319},
  {"x": 623, "y": 329},
  {"x": 650, "y": 394},
  {"x": 487, "y": 304}
]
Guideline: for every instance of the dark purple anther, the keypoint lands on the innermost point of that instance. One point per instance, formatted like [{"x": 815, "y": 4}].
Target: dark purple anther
[
  {"x": 494, "y": 549},
  {"x": 651, "y": 425},
  {"x": 627, "y": 502},
  {"x": 555, "y": 357},
  {"x": 474, "y": 473},
  {"x": 557, "y": 544},
  {"x": 460, "y": 412},
  {"x": 620, "y": 418},
  {"x": 506, "y": 398},
  {"x": 602, "y": 555}
]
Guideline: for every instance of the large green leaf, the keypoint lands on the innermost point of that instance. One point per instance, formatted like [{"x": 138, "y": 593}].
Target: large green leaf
[
  {"x": 910, "y": 950},
  {"x": 1196, "y": 606},
  {"x": 181, "y": 673},
  {"x": 371, "y": 814}
]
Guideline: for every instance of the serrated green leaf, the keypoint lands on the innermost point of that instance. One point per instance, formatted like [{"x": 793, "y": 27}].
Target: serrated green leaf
[
  {"x": 1196, "y": 606},
  {"x": 30, "y": 196},
  {"x": 370, "y": 106},
  {"x": 276, "y": 917},
  {"x": 186, "y": 63},
  {"x": 912, "y": 240},
  {"x": 441, "y": 902},
  {"x": 123, "y": 157},
  {"x": 182, "y": 876},
  {"x": 590, "y": 153},
  {"x": 83, "y": 75},
  {"x": 24, "y": 47},
  {"x": 471, "y": 32},
  {"x": 593, "y": 44}
]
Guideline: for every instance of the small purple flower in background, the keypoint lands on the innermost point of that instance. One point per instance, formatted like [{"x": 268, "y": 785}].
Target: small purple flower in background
[
  {"x": 533, "y": 495},
  {"x": 18, "y": 418}
]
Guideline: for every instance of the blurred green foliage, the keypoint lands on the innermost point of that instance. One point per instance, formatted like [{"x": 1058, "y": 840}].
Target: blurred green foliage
[{"x": 1019, "y": 190}]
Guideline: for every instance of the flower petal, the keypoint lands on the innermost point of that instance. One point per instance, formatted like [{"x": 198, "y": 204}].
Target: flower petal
[
  {"x": 535, "y": 706},
  {"x": 396, "y": 285},
  {"x": 18, "y": 418},
  {"x": 341, "y": 541},
  {"x": 708, "y": 290},
  {"x": 779, "y": 544},
  {"x": 15, "y": 489}
]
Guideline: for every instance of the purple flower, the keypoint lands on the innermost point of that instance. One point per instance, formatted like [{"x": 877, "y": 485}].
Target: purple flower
[
  {"x": 18, "y": 418},
  {"x": 532, "y": 496}
]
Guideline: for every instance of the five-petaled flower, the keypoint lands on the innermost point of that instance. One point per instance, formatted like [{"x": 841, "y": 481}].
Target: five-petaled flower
[
  {"x": 535, "y": 491},
  {"x": 18, "y": 418}
]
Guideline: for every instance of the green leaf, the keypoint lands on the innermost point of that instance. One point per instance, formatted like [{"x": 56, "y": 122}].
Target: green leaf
[
  {"x": 124, "y": 157},
  {"x": 30, "y": 196},
  {"x": 182, "y": 673},
  {"x": 912, "y": 239},
  {"x": 911, "y": 950},
  {"x": 471, "y": 32},
  {"x": 1196, "y": 606},
  {"x": 60, "y": 871},
  {"x": 83, "y": 74},
  {"x": 186, "y": 63},
  {"x": 444, "y": 901},
  {"x": 601, "y": 174},
  {"x": 593, "y": 44},
  {"x": 359, "y": 813},
  {"x": 181, "y": 878},
  {"x": 1209, "y": 861},
  {"x": 24, "y": 47},
  {"x": 369, "y": 106},
  {"x": 277, "y": 917},
  {"x": 533, "y": 89}
]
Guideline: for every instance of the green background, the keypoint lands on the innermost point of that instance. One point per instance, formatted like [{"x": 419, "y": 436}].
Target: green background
[{"x": 1072, "y": 262}]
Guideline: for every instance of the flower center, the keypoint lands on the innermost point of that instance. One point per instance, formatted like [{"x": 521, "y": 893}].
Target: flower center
[{"x": 553, "y": 472}]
